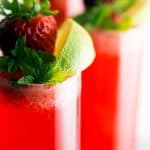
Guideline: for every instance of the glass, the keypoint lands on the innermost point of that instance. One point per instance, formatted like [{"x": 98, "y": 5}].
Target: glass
[
  {"x": 40, "y": 117},
  {"x": 110, "y": 91}
]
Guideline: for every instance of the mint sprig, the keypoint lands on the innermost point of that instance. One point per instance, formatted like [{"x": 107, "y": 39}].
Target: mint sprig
[
  {"x": 36, "y": 66},
  {"x": 3, "y": 63},
  {"x": 25, "y": 9},
  {"x": 101, "y": 15}
]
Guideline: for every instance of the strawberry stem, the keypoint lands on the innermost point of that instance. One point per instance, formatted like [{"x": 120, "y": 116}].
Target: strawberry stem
[{"x": 25, "y": 9}]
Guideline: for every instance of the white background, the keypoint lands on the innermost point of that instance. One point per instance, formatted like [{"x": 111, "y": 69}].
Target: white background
[{"x": 144, "y": 99}]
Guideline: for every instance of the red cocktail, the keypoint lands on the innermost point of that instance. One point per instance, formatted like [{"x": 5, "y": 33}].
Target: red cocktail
[
  {"x": 67, "y": 8},
  {"x": 110, "y": 90},
  {"x": 39, "y": 82},
  {"x": 39, "y": 117}
]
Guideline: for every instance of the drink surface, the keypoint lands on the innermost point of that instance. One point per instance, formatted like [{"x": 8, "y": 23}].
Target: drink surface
[
  {"x": 110, "y": 88},
  {"x": 39, "y": 117}
]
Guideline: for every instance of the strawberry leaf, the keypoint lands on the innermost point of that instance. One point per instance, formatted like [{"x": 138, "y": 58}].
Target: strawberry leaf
[{"x": 25, "y": 9}]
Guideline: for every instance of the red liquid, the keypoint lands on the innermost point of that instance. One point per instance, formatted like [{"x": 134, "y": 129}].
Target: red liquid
[
  {"x": 39, "y": 117},
  {"x": 67, "y": 8},
  {"x": 110, "y": 88}
]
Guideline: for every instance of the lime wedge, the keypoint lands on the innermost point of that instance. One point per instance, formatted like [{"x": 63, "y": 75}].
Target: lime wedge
[{"x": 74, "y": 48}]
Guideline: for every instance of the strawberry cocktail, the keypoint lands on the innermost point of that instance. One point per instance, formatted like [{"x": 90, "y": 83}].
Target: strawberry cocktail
[
  {"x": 111, "y": 103},
  {"x": 40, "y": 117},
  {"x": 40, "y": 67},
  {"x": 110, "y": 85}
]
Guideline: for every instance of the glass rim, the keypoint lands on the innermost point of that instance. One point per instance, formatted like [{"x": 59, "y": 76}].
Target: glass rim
[{"x": 36, "y": 84}]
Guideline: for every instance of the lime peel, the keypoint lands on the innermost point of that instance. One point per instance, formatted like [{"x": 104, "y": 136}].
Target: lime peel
[{"x": 74, "y": 48}]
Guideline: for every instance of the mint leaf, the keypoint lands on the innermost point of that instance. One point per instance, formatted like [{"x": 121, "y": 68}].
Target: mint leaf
[
  {"x": 3, "y": 63},
  {"x": 12, "y": 66},
  {"x": 8, "y": 64},
  {"x": 46, "y": 57},
  {"x": 31, "y": 62},
  {"x": 26, "y": 80},
  {"x": 36, "y": 66}
]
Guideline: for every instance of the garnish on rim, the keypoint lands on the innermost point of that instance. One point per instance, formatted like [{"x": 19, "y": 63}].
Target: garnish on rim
[
  {"x": 109, "y": 14},
  {"x": 36, "y": 67},
  {"x": 33, "y": 51},
  {"x": 73, "y": 53},
  {"x": 25, "y": 9}
]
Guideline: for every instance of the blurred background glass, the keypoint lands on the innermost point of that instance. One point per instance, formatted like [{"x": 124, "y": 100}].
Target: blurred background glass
[{"x": 142, "y": 137}]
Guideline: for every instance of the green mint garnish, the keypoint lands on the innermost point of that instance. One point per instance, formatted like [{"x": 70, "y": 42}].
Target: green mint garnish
[
  {"x": 25, "y": 9},
  {"x": 36, "y": 66},
  {"x": 101, "y": 15},
  {"x": 26, "y": 80},
  {"x": 3, "y": 63}
]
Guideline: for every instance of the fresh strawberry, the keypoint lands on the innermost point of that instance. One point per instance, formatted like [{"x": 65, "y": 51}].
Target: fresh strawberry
[
  {"x": 36, "y": 24},
  {"x": 15, "y": 75},
  {"x": 40, "y": 32}
]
